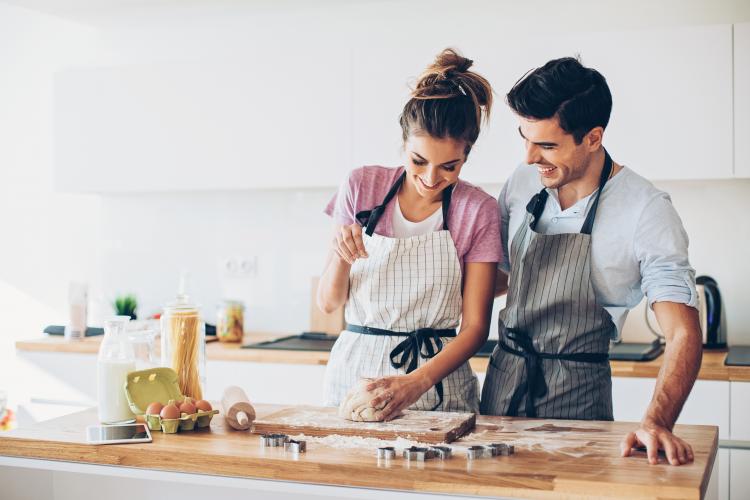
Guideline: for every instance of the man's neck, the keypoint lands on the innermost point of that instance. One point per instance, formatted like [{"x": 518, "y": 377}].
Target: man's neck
[{"x": 571, "y": 193}]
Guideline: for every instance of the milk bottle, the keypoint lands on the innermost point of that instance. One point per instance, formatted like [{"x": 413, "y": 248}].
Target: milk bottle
[{"x": 116, "y": 360}]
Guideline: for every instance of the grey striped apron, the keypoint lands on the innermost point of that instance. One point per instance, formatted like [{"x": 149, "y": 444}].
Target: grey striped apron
[{"x": 552, "y": 358}]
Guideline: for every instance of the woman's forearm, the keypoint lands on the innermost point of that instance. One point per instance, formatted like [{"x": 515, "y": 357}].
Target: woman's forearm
[{"x": 333, "y": 287}]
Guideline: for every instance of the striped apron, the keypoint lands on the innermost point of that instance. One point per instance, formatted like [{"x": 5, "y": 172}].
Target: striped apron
[
  {"x": 552, "y": 358},
  {"x": 404, "y": 306}
]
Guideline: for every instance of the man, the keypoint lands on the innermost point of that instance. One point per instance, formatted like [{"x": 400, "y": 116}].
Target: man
[{"x": 584, "y": 238}]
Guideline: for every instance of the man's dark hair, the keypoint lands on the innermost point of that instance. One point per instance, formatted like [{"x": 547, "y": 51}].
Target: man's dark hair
[{"x": 577, "y": 95}]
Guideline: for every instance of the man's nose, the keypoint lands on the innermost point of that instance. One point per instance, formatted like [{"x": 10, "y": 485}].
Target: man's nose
[{"x": 533, "y": 153}]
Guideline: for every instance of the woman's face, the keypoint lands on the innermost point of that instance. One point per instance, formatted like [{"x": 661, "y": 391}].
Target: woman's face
[{"x": 433, "y": 164}]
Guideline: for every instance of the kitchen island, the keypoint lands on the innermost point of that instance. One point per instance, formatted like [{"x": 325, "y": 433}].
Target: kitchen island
[{"x": 553, "y": 459}]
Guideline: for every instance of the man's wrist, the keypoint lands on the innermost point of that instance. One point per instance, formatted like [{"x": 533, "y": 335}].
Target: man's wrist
[{"x": 654, "y": 421}]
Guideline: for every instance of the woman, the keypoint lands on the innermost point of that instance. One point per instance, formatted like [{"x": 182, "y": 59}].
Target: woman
[{"x": 415, "y": 252}]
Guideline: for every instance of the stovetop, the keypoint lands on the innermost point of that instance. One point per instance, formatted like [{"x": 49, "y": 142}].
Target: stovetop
[{"x": 321, "y": 342}]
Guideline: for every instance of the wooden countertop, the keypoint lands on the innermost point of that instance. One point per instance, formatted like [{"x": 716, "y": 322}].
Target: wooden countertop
[
  {"x": 713, "y": 367},
  {"x": 553, "y": 458}
]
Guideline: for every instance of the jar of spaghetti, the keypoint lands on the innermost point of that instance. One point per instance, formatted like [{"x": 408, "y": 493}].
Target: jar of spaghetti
[
  {"x": 230, "y": 320},
  {"x": 183, "y": 345}
]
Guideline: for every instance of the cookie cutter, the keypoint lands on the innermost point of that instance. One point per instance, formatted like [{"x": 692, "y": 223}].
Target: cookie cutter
[
  {"x": 295, "y": 446},
  {"x": 417, "y": 454},
  {"x": 273, "y": 440},
  {"x": 442, "y": 452},
  {"x": 387, "y": 452}
]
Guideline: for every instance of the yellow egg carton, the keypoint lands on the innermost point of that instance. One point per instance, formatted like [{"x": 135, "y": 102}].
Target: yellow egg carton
[{"x": 160, "y": 385}]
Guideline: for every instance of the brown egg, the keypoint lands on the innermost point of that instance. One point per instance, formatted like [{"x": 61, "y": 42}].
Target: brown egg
[
  {"x": 187, "y": 406},
  {"x": 154, "y": 408},
  {"x": 170, "y": 411},
  {"x": 203, "y": 405}
]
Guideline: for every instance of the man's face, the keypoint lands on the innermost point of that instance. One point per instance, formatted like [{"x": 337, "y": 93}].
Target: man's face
[{"x": 553, "y": 151}]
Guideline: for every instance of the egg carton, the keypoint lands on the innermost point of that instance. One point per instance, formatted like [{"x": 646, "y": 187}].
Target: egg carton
[{"x": 197, "y": 420}]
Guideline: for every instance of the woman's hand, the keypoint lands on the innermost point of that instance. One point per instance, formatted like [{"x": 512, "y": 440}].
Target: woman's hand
[
  {"x": 348, "y": 244},
  {"x": 398, "y": 392}
]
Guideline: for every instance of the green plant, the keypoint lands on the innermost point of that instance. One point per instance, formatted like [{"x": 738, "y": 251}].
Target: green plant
[{"x": 125, "y": 305}]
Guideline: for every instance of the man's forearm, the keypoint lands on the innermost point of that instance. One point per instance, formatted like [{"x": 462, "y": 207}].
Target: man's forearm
[{"x": 682, "y": 361}]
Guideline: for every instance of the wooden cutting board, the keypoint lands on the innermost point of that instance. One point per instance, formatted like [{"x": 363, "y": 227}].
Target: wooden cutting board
[{"x": 422, "y": 426}]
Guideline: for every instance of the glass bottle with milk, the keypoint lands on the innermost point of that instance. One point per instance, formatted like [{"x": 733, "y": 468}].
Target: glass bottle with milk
[{"x": 116, "y": 360}]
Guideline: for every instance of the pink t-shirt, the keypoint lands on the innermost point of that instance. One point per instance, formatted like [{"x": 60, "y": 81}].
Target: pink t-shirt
[{"x": 473, "y": 216}]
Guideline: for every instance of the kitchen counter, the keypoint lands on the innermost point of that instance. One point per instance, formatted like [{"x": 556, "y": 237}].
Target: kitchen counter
[
  {"x": 712, "y": 368},
  {"x": 553, "y": 459}
]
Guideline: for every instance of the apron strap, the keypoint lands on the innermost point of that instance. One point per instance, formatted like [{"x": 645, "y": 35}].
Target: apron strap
[
  {"x": 534, "y": 386},
  {"x": 423, "y": 343},
  {"x": 536, "y": 205},
  {"x": 370, "y": 218},
  {"x": 588, "y": 224}
]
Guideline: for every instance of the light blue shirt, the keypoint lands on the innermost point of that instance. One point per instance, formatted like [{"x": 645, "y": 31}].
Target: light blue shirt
[{"x": 639, "y": 245}]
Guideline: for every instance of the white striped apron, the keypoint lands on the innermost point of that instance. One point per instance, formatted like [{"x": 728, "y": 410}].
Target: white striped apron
[
  {"x": 552, "y": 358},
  {"x": 405, "y": 304}
]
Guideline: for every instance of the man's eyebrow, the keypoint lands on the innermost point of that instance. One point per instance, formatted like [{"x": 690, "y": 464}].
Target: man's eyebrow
[
  {"x": 442, "y": 165},
  {"x": 545, "y": 144}
]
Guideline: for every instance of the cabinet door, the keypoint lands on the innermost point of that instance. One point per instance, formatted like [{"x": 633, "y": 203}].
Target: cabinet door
[
  {"x": 708, "y": 403},
  {"x": 742, "y": 100},
  {"x": 739, "y": 474},
  {"x": 278, "y": 120},
  {"x": 672, "y": 111},
  {"x": 740, "y": 413},
  {"x": 271, "y": 383}
]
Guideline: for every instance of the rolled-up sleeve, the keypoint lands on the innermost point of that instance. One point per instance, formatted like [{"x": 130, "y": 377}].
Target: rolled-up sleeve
[
  {"x": 502, "y": 204},
  {"x": 661, "y": 247}
]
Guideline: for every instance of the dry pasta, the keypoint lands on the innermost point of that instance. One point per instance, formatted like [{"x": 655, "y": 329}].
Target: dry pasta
[{"x": 184, "y": 337}]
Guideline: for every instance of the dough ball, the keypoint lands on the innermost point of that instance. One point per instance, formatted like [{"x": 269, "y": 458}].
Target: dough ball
[{"x": 356, "y": 405}]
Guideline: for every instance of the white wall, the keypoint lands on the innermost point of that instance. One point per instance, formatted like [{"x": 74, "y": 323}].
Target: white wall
[{"x": 138, "y": 243}]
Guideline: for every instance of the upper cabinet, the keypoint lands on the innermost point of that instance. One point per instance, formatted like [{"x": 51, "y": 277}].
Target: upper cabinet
[
  {"x": 742, "y": 100},
  {"x": 293, "y": 119},
  {"x": 274, "y": 120}
]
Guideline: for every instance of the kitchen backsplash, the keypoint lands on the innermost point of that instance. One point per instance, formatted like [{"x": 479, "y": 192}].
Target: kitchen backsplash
[{"x": 263, "y": 247}]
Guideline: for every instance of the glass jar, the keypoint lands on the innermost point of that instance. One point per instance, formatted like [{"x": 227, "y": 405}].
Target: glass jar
[
  {"x": 115, "y": 361},
  {"x": 143, "y": 348},
  {"x": 183, "y": 346},
  {"x": 230, "y": 321}
]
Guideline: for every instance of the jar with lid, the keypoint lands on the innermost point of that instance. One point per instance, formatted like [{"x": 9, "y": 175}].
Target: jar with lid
[
  {"x": 230, "y": 321},
  {"x": 183, "y": 345}
]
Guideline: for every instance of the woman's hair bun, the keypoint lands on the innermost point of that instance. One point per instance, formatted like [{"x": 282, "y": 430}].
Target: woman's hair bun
[{"x": 448, "y": 100}]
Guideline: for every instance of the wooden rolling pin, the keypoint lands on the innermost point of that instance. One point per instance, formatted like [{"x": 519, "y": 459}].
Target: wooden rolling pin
[{"x": 238, "y": 411}]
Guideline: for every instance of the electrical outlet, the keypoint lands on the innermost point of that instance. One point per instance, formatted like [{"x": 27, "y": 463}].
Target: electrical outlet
[{"x": 239, "y": 267}]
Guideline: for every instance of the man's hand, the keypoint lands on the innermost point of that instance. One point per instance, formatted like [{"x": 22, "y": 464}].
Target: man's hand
[{"x": 656, "y": 437}]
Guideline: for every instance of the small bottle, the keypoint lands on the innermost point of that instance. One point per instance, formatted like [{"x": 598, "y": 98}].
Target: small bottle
[
  {"x": 115, "y": 361},
  {"x": 77, "y": 311},
  {"x": 230, "y": 321}
]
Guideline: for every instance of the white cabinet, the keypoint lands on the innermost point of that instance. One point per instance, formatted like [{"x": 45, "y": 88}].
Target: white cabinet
[
  {"x": 742, "y": 100},
  {"x": 672, "y": 111},
  {"x": 739, "y": 474},
  {"x": 278, "y": 119},
  {"x": 708, "y": 403},
  {"x": 272, "y": 383},
  {"x": 288, "y": 117},
  {"x": 740, "y": 417}
]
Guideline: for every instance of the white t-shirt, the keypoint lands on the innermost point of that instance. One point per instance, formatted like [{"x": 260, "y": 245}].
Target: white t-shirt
[{"x": 403, "y": 228}]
